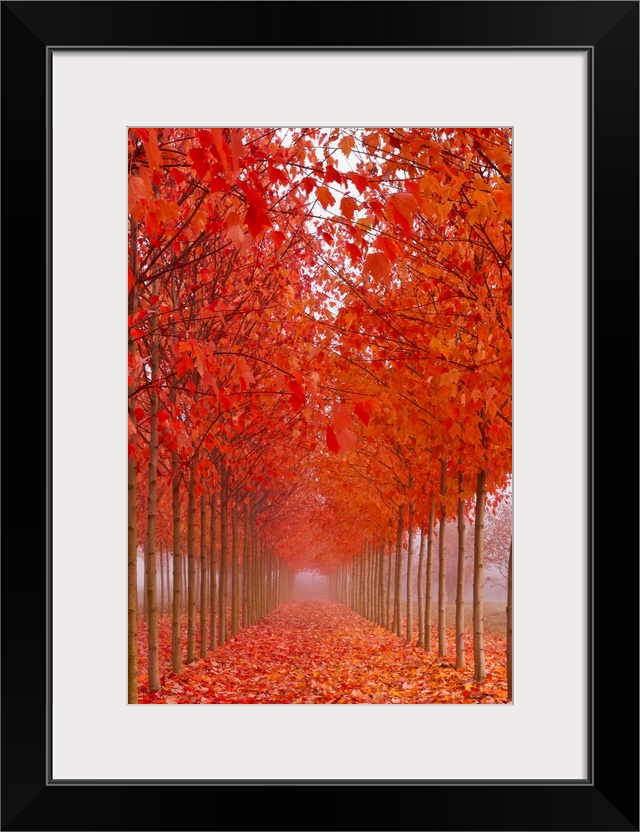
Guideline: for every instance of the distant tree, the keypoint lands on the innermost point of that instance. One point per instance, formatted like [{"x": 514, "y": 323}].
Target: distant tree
[{"x": 497, "y": 538}]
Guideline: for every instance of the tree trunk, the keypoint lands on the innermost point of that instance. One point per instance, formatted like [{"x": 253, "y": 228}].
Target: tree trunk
[
  {"x": 380, "y": 617},
  {"x": 478, "y": 582},
  {"x": 246, "y": 570},
  {"x": 410, "y": 577},
  {"x": 224, "y": 550},
  {"x": 420, "y": 588},
  {"x": 132, "y": 585},
  {"x": 387, "y": 620},
  {"x": 212, "y": 573},
  {"x": 132, "y": 507},
  {"x": 428, "y": 595},
  {"x": 442, "y": 566},
  {"x": 396, "y": 605},
  {"x": 203, "y": 577},
  {"x": 510, "y": 624},
  {"x": 191, "y": 561},
  {"x": 162, "y": 604},
  {"x": 152, "y": 507},
  {"x": 167, "y": 580},
  {"x": 235, "y": 586},
  {"x": 460, "y": 657},
  {"x": 176, "y": 639}
]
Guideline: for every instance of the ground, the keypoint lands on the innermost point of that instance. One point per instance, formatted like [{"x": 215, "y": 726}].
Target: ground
[{"x": 317, "y": 652}]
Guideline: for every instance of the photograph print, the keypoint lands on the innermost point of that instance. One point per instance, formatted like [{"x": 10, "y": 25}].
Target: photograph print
[{"x": 319, "y": 415}]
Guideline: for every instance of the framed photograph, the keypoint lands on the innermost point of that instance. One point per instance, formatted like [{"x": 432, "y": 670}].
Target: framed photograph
[{"x": 88, "y": 83}]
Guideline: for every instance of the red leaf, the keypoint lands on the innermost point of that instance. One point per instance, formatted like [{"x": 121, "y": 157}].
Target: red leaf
[
  {"x": 332, "y": 441},
  {"x": 361, "y": 414},
  {"x": 296, "y": 389},
  {"x": 257, "y": 222},
  {"x": 308, "y": 184},
  {"x": 183, "y": 365},
  {"x": 348, "y": 206},
  {"x": 199, "y": 158},
  {"x": 378, "y": 266},
  {"x": 278, "y": 238},
  {"x": 178, "y": 176},
  {"x": 359, "y": 181},
  {"x": 332, "y": 175},
  {"x": 354, "y": 252},
  {"x": 204, "y": 137},
  {"x": 296, "y": 403}
]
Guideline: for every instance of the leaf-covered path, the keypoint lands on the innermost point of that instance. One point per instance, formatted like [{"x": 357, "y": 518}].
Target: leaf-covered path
[{"x": 321, "y": 652}]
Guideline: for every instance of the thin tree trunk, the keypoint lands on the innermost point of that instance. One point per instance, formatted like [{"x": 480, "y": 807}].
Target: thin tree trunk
[
  {"x": 176, "y": 639},
  {"x": 161, "y": 561},
  {"x": 510, "y": 624},
  {"x": 387, "y": 621},
  {"x": 152, "y": 507},
  {"x": 224, "y": 549},
  {"x": 203, "y": 576},
  {"x": 234, "y": 568},
  {"x": 428, "y": 595},
  {"x": 191, "y": 545},
  {"x": 167, "y": 580},
  {"x": 460, "y": 657},
  {"x": 185, "y": 584},
  {"x": 396, "y": 606},
  {"x": 212, "y": 573},
  {"x": 410, "y": 577},
  {"x": 442, "y": 566},
  {"x": 478, "y": 581},
  {"x": 132, "y": 507},
  {"x": 246, "y": 571},
  {"x": 145, "y": 580},
  {"x": 421, "y": 588},
  {"x": 132, "y": 585},
  {"x": 380, "y": 617}
]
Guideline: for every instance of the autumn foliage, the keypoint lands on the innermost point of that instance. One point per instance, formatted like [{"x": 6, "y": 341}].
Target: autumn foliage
[{"x": 319, "y": 362}]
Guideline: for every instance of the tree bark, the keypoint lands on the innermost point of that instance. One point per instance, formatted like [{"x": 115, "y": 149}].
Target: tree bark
[
  {"x": 387, "y": 620},
  {"x": 203, "y": 577},
  {"x": 191, "y": 563},
  {"x": 176, "y": 638},
  {"x": 246, "y": 571},
  {"x": 397, "y": 592},
  {"x": 235, "y": 586},
  {"x": 152, "y": 507},
  {"x": 132, "y": 508},
  {"x": 442, "y": 566},
  {"x": 162, "y": 604},
  {"x": 420, "y": 588},
  {"x": 132, "y": 585},
  {"x": 478, "y": 582},
  {"x": 460, "y": 657},
  {"x": 224, "y": 551},
  {"x": 510, "y": 624},
  {"x": 212, "y": 573},
  {"x": 409, "y": 577},
  {"x": 428, "y": 595}
]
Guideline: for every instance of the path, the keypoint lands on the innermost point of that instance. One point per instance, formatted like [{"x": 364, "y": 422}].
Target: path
[{"x": 322, "y": 652}]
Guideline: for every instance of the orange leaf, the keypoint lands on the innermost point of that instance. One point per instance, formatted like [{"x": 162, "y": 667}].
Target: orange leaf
[
  {"x": 378, "y": 266},
  {"x": 325, "y": 197},
  {"x": 348, "y": 206}
]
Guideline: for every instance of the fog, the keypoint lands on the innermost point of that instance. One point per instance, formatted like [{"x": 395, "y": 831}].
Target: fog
[{"x": 308, "y": 583}]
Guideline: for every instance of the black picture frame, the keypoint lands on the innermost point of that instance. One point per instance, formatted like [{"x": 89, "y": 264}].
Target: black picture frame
[{"x": 608, "y": 798}]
